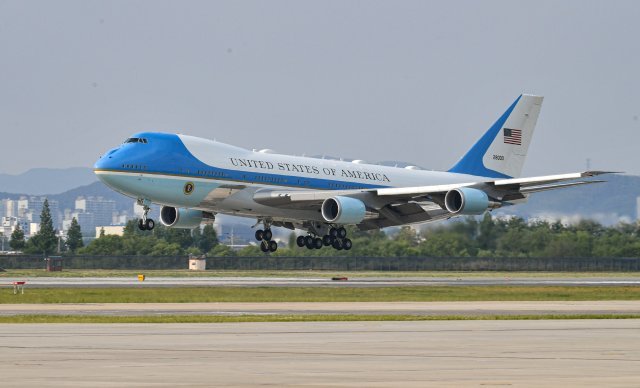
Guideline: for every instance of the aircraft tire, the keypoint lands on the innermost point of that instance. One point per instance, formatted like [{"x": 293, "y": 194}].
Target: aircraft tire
[
  {"x": 273, "y": 246},
  {"x": 326, "y": 240},
  {"x": 141, "y": 225},
  {"x": 259, "y": 234},
  {"x": 342, "y": 232},
  {"x": 347, "y": 244},
  {"x": 267, "y": 235},
  {"x": 150, "y": 224},
  {"x": 300, "y": 241},
  {"x": 318, "y": 243},
  {"x": 264, "y": 246},
  {"x": 308, "y": 241}
]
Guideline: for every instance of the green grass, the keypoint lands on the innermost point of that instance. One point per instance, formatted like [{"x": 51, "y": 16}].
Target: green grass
[
  {"x": 30, "y": 273},
  {"x": 289, "y": 318},
  {"x": 319, "y": 294}
]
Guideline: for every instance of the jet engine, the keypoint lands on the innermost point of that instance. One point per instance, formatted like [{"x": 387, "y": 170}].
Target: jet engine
[
  {"x": 466, "y": 201},
  {"x": 343, "y": 210},
  {"x": 180, "y": 218}
]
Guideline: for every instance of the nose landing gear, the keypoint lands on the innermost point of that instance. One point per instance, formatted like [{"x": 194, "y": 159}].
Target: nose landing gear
[{"x": 145, "y": 223}]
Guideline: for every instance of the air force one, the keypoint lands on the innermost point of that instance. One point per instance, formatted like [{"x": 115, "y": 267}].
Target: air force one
[{"x": 193, "y": 179}]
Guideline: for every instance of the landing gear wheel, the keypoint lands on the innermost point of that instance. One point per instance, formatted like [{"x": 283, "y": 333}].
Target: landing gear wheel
[
  {"x": 264, "y": 246},
  {"x": 347, "y": 244},
  {"x": 300, "y": 241},
  {"x": 342, "y": 232},
  {"x": 309, "y": 242},
  {"x": 337, "y": 244},
  {"x": 333, "y": 232},
  {"x": 267, "y": 235},
  {"x": 149, "y": 224},
  {"x": 317, "y": 243},
  {"x": 273, "y": 246},
  {"x": 142, "y": 225},
  {"x": 259, "y": 234},
  {"x": 327, "y": 240}
]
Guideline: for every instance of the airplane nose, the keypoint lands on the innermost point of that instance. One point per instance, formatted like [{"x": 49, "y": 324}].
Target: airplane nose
[{"x": 107, "y": 161}]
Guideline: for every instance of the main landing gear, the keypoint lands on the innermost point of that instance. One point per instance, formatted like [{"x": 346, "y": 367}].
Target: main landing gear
[
  {"x": 337, "y": 238},
  {"x": 265, "y": 236},
  {"x": 145, "y": 223}
]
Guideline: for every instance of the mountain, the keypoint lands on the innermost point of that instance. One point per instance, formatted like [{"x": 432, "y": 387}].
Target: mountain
[
  {"x": 39, "y": 181},
  {"x": 66, "y": 200},
  {"x": 608, "y": 203}
]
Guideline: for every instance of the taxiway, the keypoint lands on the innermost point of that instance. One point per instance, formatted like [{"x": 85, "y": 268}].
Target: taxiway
[{"x": 586, "y": 353}]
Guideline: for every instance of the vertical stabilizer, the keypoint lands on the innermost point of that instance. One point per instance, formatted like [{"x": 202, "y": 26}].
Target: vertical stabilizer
[{"x": 502, "y": 150}]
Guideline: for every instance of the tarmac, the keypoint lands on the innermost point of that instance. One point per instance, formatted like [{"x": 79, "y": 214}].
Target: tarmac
[
  {"x": 106, "y": 282},
  {"x": 481, "y": 308},
  {"x": 554, "y": 353}
]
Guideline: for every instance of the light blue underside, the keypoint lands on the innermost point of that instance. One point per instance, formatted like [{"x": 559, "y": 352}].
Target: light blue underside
[{"x": 163, "y": 190}]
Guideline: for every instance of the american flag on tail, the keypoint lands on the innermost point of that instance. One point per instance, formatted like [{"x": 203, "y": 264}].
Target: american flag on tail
[{"x": 513, "y": 136}]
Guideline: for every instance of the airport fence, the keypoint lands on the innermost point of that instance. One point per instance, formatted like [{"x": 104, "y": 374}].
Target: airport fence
[{"x": 350, "y": 263}]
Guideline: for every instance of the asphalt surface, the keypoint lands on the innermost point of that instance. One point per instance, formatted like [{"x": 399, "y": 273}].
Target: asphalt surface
[
  {"x": 584, "y": 353},
  {"x": 304, "y": 308},
  {"x": 106, "y": 282}
]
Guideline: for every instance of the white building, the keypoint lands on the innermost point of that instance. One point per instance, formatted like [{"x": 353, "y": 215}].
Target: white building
[
  {"x": 8, "y": 225},
  {"x": 197, "y": 264},
  {"x": 110, "y": 230}
]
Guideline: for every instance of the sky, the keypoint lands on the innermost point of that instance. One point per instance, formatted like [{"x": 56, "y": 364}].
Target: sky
[{"x": 375, "y": 80}]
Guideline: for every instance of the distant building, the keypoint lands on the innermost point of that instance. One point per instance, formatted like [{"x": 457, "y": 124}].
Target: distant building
[
  {"x": 110, "y": 230},
  {"x": 11, "y": 208},
  {"x": 120, "y": 218},
  {"x": 86, "y": 222},
  {"x": 30, "y": 208},
  {"x": 8, "y": 225},
  {"x": 94, "y": 211},
  {"x": 34, "y": 228}
]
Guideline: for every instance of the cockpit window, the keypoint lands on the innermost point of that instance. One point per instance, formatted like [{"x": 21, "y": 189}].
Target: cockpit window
[{"x": 136, "y": 140}]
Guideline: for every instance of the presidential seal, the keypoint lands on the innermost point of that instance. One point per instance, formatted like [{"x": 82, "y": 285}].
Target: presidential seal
[{"x": 188, "y": 188}]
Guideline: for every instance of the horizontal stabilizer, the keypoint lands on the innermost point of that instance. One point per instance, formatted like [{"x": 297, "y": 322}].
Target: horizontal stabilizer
[
  {"x": 537, "y": 189},
  {"x": 524, "y": 182}
]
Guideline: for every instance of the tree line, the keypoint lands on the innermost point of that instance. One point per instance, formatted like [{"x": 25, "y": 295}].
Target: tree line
[{"x": 470, "y": 237}]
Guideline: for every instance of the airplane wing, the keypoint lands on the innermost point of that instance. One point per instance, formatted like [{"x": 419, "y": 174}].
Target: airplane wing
[{"x": 405, "y": 205}]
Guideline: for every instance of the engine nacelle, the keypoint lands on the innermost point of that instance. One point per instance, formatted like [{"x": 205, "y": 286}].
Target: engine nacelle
[
  {"x": 466, "y": 201},
  {"x": 180, "y": 218},
  {"x": 343, "y": 210}
]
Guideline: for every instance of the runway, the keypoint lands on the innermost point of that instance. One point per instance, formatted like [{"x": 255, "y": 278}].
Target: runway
[
  {"x": 587, "y": 353},
  {"x": 302, "y": 308},
  {"x": 105, "y": 282}
]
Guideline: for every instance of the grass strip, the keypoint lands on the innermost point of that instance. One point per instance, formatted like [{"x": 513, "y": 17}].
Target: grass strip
[
  {"x": 291, "y": 318},
  {"x": 144, "y": 294},
  {"x": 132, "y": 273}
]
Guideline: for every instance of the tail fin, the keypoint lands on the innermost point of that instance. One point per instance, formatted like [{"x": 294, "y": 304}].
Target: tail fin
[{"x": 502, "y": 150}]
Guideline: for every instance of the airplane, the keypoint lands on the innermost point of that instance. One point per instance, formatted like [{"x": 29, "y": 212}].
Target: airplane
[{"x": 193, "y": 179}]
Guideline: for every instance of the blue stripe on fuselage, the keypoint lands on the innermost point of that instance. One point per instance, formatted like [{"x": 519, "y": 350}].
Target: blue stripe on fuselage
[{"x": 166, "y": 154}]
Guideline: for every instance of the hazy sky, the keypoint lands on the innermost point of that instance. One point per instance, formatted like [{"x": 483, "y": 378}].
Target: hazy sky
[{"x": 394, "y": 80}]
